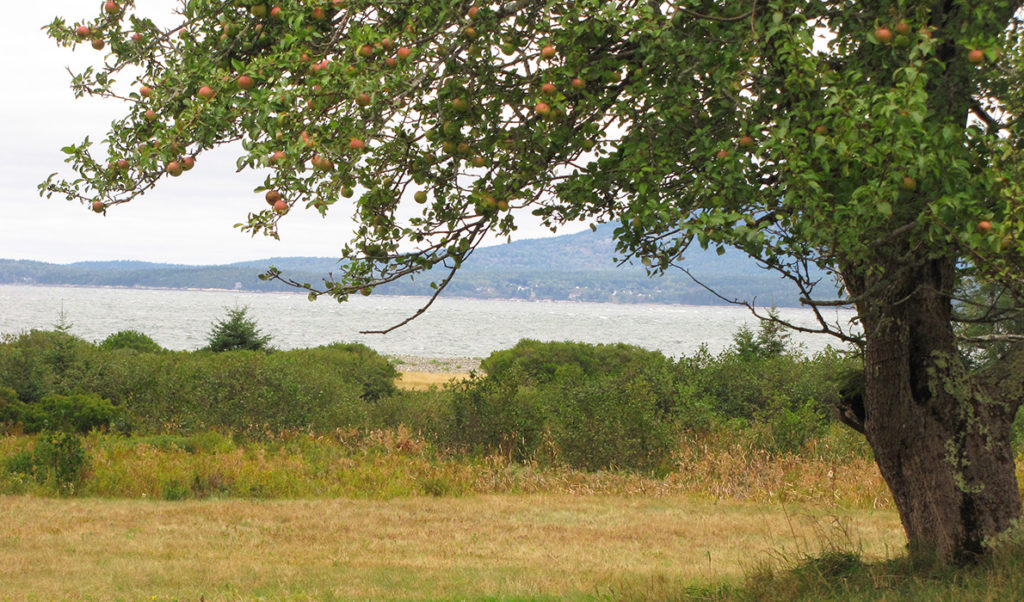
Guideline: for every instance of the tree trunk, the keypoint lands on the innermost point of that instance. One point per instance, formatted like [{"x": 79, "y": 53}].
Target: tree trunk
[{"x": 942, "y": 445}]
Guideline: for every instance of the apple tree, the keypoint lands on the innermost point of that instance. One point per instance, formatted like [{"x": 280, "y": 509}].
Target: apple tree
[{"x": 879, "y": 141}]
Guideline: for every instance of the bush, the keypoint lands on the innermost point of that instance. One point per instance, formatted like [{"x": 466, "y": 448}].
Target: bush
[
  {"x": 237, "y": 332},
  {"x": 589, "y": 406},
  {"x": 79, "y": 413},
  {"x": 58, "y": 459},
  {"x": 40, "y": 362},
  {"x": 131, "y": 339}
]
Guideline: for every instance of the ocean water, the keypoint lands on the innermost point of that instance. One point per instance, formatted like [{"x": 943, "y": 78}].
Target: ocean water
[{"x": 456, "y": 327}]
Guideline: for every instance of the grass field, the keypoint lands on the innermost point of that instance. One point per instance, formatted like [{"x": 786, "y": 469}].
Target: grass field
[
  {"x": 487, "y": 546},
  {"x": 422, "y": 381}
]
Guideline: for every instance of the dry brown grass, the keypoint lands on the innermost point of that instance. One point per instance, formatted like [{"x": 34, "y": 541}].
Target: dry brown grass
[
  {"x": 423, "y": 381},
  {"x": 489, "y": 545}
]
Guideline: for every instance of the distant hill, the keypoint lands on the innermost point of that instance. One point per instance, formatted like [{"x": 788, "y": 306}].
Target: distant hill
[{"x": 577, "y": 266}]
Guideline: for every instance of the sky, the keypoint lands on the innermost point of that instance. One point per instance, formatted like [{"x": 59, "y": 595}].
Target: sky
[{"x": 188, "y": 220}]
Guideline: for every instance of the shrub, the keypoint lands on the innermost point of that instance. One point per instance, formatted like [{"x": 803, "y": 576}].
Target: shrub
[
  {"x": 131, "y": 339},
  {"x": 237, "y": 332},
  {"x": 78, "y": 413},
  {"x": 58, "y": 459},
  {"x": 589, "y": 406},
  {"x": 40, "y": 362}
]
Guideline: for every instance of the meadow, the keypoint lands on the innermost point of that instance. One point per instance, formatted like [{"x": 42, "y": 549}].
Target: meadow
[{"x": 555, "y": 471}]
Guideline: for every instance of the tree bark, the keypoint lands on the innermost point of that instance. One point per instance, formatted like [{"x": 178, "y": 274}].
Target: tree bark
[{"x": 941, "y": 442}]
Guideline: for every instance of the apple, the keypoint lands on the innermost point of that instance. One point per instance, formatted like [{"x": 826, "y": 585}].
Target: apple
[
  {"x": 277, "y": 157},
  {"x": 420, "y": 197},
  {"x": 363, "y": 99},
  {"x": 984, "y": 226},
  {"x": 136, "y": 37},
  {"x": 722, "y": 154},
  {"x": 578, "y": 84},
  {"x": 98, "y": 206},
  {"x": 258, "y": 10},
  {"x": 346, "y": 192},
  {"x": 272, "y": 197},
  {"x": 122, "y": 164},
  {"x": 403, "y": 53},
  {"x": 391, "y": 62},
  {"x": 356, "y": 144},
  {"x": 547, "y": 52},
  {"x": 83, "y": 31},
  {"x": 150, "y": 114},
  {"x": 448, "y": 147},
  {"x": 908, "y": 183},
  {"x": 460, "y": 104},
  {"x": 111, "y": 7},
  {"x": 472, "y": 12},
  {"x": 387, "y": 44},
  {"x": 479, "y": 161},
  {"x": 463, "y": 148},
  {"x": 503, "y": 205},
  {"x": 976, "y": 56},
  {"x": 174, "y": 168},
  {"x": 145, "y": 91},
  {"x": 821, "y": 130},
  {"x": 188, "y": 163},
  {"x": 275, "y": 13},
  {"x": 745, "y": 142},
  {"x": 548, "y": 89},
  {"x": 366, "y": 51},
  {"x": 97, "y": 44},
  {"x": 319, "y": 14},
  {"x": 245, "y": 82},
  {"x": 280, "y": 206},
  {"x": 543, "y": 108},
  {"x": 470, "y": 32},
  {"x": 205, "y": 92},
  {"x": 883, "y": 35},
  {"x": 902, "y": 28}
]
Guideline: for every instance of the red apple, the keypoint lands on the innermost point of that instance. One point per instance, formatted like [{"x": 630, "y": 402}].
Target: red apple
[
  {"x": 722, "y": 154},
  {"x": 319, "y": 14},
  {"x": 387, "y": 44},
  {"x": 908, "y": 183},
  {"x": 98, "y": 44},
  {"x": 245, "y": 82},
  {"x": 111, "y": 7},
  {"x": 976, "y": 56},
  {"x": 272, "y": 197},
  {"x": 363, "y": 99},
  {"x": 83, "y": 31},
  {"x": 578, "y": 84},
  {"x": 122, "y": 164},
  {"x": 174, "y": 168},
  {"x": 547, "y": 52},
  {"x": 150, "y": 114},
  {"x": 902, "y": 28},
  {"x": 356, "y": 144},
  {"x": 403, "y": 53},
  {"x": 277, "y": 157},
  {"x": 280, "y": 207},
  {"x": 366, "y": 51},
  {"x": 391, "y": 62},
  {"x": 548, "y": 89},
  {"x": 883, "y": 35},
  {"x": 542, "y": 108},
  {"x": 473, "y": 10},
  {"x": 145, "y": 91},
  {"x": 984, "y": 226},
  {"x": 136, "y": 37},
  {"x": 205, "y": 92},
  {"x": 188, "y": 163},
  {"x": 821, "y": 130},
  {"x": 275, "y": 13},
  {"x": 98, "y": 206},
  {"x": 745, "y": 142}
]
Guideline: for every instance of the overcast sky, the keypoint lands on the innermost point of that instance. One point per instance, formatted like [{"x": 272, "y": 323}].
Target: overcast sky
[{"x": 185, "y": 220}]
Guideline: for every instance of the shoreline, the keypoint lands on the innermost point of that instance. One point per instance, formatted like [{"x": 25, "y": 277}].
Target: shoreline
[{"x": 434, "y": 365}]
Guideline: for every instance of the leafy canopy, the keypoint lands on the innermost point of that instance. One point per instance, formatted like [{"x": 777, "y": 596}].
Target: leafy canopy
[{"x": 830, "y": 133}]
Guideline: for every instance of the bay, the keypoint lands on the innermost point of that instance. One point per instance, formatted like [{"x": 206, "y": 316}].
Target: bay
[{"x": 452, "y": 327}]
